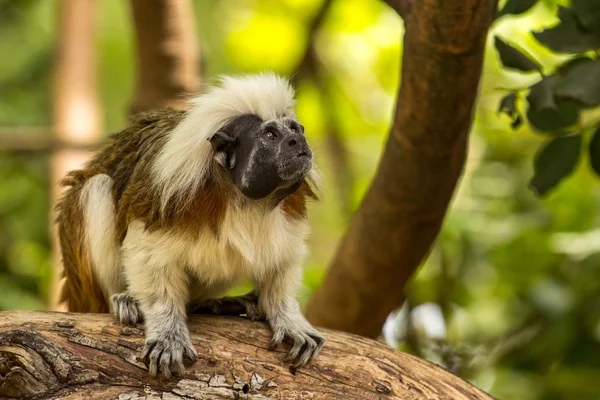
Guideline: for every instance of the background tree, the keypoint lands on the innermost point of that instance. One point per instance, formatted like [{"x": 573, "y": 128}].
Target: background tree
[
  {"x": 76, "y": 111},
  {"x": 403, "y": 209}
]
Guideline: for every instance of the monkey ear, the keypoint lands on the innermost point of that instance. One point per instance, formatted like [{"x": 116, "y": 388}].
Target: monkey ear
[{"x": 223, "y": 144}]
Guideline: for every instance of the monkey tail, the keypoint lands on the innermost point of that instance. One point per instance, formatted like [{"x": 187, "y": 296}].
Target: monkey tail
[{"x": 89, "y": 246}]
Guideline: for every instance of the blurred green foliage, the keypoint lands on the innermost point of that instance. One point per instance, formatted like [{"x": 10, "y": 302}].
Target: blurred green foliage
[
  {"x": 510, "y": 296},
  {"x": 564, "y": 103}
]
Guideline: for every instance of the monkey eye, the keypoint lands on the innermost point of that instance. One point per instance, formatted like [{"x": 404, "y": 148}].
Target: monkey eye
[{"x": 271, "y": 135}]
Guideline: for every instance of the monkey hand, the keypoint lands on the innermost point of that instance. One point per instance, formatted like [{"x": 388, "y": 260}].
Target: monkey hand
[
  {"x": 126, "y": 309},
  {"x": 169, "y": 350},
  {"x": 294, "y": 329}
]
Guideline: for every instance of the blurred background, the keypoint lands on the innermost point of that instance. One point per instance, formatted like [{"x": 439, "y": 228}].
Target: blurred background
[{"x": 510, "y": 295}]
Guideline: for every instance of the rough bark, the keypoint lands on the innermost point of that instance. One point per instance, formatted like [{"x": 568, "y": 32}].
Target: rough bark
[
  {"x": 401, "y": 214},
  {"x": 76, "y": 110},
  {"x": 83, "y": 356},
  {"x": 168, "y": 66}
]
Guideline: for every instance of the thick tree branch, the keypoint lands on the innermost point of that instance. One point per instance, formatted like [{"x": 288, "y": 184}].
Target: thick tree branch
[
  {"x": 83, "y": 356},
  {"x": 402, "y": 212},
  {"x": 168, "y": 66}
]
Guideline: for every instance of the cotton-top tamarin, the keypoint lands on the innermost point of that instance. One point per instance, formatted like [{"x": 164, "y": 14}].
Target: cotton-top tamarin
[{"x": 181, "y": 205}]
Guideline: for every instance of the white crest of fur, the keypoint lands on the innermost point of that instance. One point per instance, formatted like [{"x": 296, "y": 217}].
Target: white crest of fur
[{"x": 185, "y": 160}]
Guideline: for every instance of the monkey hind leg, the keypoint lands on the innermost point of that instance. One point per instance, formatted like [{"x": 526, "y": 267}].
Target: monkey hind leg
[
  {"x": 235, "y": 305},
  {"x": 126, "y": 309},
  {"x": 101, "y": 233}
]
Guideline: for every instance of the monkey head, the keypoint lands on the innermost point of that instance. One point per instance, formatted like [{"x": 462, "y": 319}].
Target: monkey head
[{"x": 262, "y": 157}]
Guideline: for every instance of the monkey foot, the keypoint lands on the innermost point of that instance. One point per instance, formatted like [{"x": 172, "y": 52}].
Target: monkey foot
[
  {"x": 235, "y": 305},
  {"x": 126, "y": 309}
]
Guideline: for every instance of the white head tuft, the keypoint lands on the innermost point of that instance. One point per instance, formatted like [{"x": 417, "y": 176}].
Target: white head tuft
[{"x": 184, "y": 162}]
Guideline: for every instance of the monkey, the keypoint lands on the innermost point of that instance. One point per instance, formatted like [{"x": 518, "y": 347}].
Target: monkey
[{"x": 182, "y": 204}]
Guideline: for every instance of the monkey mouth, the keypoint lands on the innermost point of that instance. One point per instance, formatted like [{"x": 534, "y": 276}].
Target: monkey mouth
[{"x": 295, "y": 168}]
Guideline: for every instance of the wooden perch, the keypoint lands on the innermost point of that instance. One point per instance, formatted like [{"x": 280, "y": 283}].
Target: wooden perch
[{"x": 83, "y": 356}]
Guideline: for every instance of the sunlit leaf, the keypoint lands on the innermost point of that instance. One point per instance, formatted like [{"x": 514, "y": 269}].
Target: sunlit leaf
[
  {"x": 516, "y": 7},
  {"x": 569, "y": 36},
  {"x": 555, "y": 160},
  {"x": 582, "y": 82},
  {"x": 595, "y": 151},
  {"x": 513, "y": 58}
]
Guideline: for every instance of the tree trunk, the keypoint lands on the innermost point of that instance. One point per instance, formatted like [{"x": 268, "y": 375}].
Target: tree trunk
[
  {"x": 83, "y": 356},
  {"x": 401, "y": 214},
  {"x": 76, "y": 111},
  {"x": 168, "y": 66}
]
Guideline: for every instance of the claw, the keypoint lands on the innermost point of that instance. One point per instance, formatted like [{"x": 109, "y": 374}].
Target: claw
[
  {"x": 276, "y": 340},
  {"x": 169, "y": 354},
  {"x": 306, "y": 343}
]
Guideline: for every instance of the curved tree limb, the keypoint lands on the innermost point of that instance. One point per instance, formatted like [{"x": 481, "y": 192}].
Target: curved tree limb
[
  {"x": 402, "y": 212},
  {"x": 83, "y": 356}
]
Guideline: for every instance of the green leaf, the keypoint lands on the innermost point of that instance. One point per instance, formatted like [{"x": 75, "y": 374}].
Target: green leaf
[
  {"x": 595, "y": 151},
  {"x": 556, "y": 120},
  {"x": 555, "y": 160},
  {"x": 513, "y": 58},
  {"x": 569, "y": 36},
  {"x": 516, "y": 7},
  {"x": 508, "y": 105},
  {"x": 547, "y": 113},
  {"x": 541, "y": 95},
  {"x": 517, "y": 122},
  {"x": 588, "y": 13},
  {"x": 581, "y": 82}
]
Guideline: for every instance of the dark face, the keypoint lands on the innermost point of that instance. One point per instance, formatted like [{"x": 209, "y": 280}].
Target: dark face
[{"x": 263, "y": 156}]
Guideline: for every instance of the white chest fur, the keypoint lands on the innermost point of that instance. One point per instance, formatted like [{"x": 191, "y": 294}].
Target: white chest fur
[{"x": 252, "y": 243}]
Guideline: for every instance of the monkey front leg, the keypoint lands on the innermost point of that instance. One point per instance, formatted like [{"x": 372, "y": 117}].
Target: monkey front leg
[
  {"x": 161, "y": 290},
  {"x": 277, "y": 298}
]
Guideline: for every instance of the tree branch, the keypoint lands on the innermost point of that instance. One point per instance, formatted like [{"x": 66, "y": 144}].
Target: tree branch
[
  {"x": 168, "y": 66},
  {"x": 402, "y": 7},
  {"x": 38, "y": 140},
  {"x": 76, "y": 356},
  {"x": 403, "y": 210}
]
